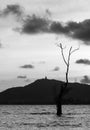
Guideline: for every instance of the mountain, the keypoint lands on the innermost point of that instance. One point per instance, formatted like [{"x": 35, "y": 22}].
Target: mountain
[{"x": 45, "y": 91}]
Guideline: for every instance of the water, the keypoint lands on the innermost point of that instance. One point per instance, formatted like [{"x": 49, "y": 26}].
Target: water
[{"x": 41, "y": 117}]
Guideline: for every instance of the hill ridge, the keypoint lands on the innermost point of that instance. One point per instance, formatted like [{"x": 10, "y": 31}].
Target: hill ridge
[{"x": 45, "y": 91}]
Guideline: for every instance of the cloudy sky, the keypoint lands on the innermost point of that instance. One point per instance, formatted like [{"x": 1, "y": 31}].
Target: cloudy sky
[{"x": 29, "y": 32}]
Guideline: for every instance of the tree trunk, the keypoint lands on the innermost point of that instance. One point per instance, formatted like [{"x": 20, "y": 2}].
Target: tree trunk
[
  {"x": 63, "y": 87},
  {"x": 59, "y": 108},
  {"x": 59, "y": 99}
]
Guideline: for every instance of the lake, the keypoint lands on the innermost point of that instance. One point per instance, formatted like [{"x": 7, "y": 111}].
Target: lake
[{"x": 42, "y": 117}]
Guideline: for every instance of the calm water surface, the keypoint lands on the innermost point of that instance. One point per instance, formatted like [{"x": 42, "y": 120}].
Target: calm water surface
[{"x": 42, "y": 117}]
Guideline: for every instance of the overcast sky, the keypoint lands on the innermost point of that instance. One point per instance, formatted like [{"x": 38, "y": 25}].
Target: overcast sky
[{"x": 29, "y": 31}]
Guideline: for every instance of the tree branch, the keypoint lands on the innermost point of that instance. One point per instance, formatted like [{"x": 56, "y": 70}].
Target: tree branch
[
  {"x": 74, "y": 50},
  {"x": 67, "y": 62},
  {"x": 60, "y": 45}
]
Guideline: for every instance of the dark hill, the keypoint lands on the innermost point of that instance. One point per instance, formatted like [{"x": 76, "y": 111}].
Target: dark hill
[{"x": 45, "y": 91}]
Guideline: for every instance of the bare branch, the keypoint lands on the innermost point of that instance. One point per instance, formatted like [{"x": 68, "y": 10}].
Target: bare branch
[
  {"x": 67, "y": 62},
  {"x": 63, "y": 57},
  {"x": 60, "y": 45},
  {"x": 70, "y": 49},
  {"x": 75, "y": 50}
]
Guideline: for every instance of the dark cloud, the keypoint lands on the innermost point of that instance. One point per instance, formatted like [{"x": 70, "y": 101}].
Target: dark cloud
[
  {"x": 76, "y": 30},
  {"x": 56, "y": 68},
  {"x": 34, "y": 24},
  {"x": 83, "y": 61},
  {"x": 22, "y": 77},
  {"x": 27, "y": 66},
  {"x": 12, "y": 9},
  {"x": 58, "y": 28},
  {"x": 85, "y": 79},
  {"x": 80, "y": 31}
]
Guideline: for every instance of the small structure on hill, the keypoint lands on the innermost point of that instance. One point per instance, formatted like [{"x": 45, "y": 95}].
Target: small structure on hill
[{"x": 45, "y": 77}]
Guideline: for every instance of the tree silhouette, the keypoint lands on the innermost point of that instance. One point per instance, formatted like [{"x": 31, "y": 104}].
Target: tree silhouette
[{"x": 64, "y": 86}]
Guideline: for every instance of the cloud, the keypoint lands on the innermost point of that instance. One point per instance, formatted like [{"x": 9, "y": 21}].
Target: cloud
[
  {"x": 85, "y": 79},
  {"x": 27, "y": 66},
  {"x": 58, "y": 28},
  {"x": 79, "y": 31},
  {"x": 13, "y": 9},
  {"x": 42, "y": 62},
  {"x": 56, "y": 68},
  {"x": 1, "y": 46},
  {"x": 27, "y": 80},
  {"x": 22, "y": 77},
  {"x": 76, "y": 30},
  {"x": 83, "y": 61},
  {"x": 34, "y": 24}
]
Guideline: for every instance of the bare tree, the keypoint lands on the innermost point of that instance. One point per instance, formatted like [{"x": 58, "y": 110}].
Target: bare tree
[{"x": 63, "y": 87}]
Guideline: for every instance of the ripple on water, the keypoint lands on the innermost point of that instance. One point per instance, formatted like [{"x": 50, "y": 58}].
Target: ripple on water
[{"x": 44, "y": 118}]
